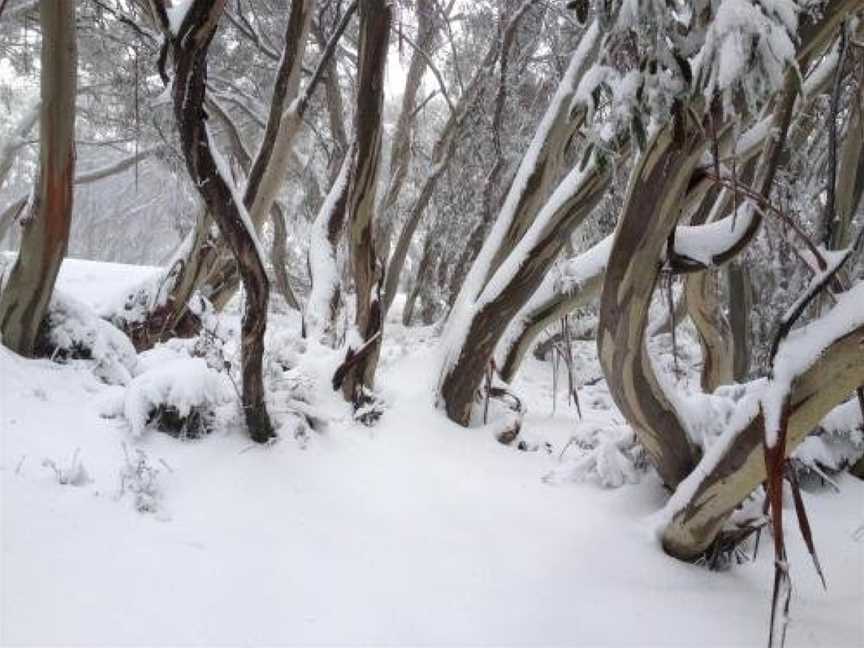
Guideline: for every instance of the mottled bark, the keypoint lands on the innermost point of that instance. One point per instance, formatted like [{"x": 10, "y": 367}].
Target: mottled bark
[
  {"x": 279, "y": 257},
  {"x": 740, "y": 306},
  {"x": 544, "y": 313},
  {"x": 189, "y": 49},
  {"x": 741, "y": 467},
  {"x": 713, "y": 329},
  {"x": 45, "y": 236},
  {"x": 650, "y": 213},
  {"x": 359, "y": 369},
  {"x": 569, "y": 205},
  {"x": 540, "y": 170}
]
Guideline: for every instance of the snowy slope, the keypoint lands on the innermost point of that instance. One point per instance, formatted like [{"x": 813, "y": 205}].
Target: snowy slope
[{"x": 414, "y": 531}]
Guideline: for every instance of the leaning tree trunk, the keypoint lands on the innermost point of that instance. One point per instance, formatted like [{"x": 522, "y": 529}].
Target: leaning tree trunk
[
  {"x": 725, "y": 478},
  {"x": 467, "y": 357},
  {"x": 485, "y": 307},
  {"x": 24, "y": 301},
  {"x": 357, "y": 374},
  {"x": 651, "y": 211},
  {"x": 189, "y": 48}
]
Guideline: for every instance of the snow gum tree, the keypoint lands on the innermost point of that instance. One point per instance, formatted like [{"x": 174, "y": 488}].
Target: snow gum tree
[
  {"x": 188, "y": 42},
  {"x": 357, "y": 373},
  {"x": 27, "y": 292}
]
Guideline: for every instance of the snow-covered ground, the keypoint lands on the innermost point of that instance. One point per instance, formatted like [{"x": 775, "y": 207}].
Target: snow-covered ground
[{"x": 415, "y": 531}]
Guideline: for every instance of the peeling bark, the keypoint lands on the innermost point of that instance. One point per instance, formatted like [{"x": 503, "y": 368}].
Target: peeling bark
[
  {"x": 650, "y": 214},
  {"x": 740, "y": 306},
  {"x": 570, "y": 204},
  {"x": 741, "y": 467},
  {"x": 45, "y": 236},
  {"x": 359, "y": 369},
  {"x": 714, "y": 331}
]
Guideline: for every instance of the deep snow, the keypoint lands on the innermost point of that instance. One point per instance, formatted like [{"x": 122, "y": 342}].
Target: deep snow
[{"x": 414, "y": 531}]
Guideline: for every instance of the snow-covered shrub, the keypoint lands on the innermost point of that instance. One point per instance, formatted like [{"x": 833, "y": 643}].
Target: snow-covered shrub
[
  {"x": 607, "y": 456},
  {"x": 72, "y": 473},
  {"x": 179, "y": 397},
  {"x": 837, "y": 444},
  {"x": 73, "y": 331},
  {"x": 139, "y": 478}
]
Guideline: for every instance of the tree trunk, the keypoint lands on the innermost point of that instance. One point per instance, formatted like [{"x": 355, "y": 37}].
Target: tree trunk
[
  {"x": 279, "y": 257},
  {"x": 358, "y": 371},
  {"x": 319, "y": 318},
  {"x": 270, "y": 164},
  {"x": 714, "y": 331},
  {"x": 740, "y": 305},
  {"x": 467, "y": 356},
  {"x": 25, "y": 299},
  {"x": 725, "y": 480},
  {"x": 650, "y": 213},
  {"x": 850, "y": 176},
  {"x": 189, "y": 47}
]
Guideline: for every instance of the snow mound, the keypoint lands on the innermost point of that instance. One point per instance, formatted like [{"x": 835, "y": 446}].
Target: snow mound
[
  {"x": 180, "y": 388},
  {"x": 75, "y": 331}
]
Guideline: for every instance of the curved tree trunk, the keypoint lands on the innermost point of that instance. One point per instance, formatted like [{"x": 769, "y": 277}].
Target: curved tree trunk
[
  {"x": 25, "y": 298},
  {"x": 481, "y": 315},
  {"x": 189, "y": 48},
  {"x": 651, "y": 211},
  {"x": 274, "y": 156},
  {"x": 737, "y": 467},
  {"x": 715, "y": 333},
  {"x": 579, "y": 285}
]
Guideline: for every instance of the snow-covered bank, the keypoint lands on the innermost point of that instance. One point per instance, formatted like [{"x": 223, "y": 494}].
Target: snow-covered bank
[{"x": 414, "y": 531}]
